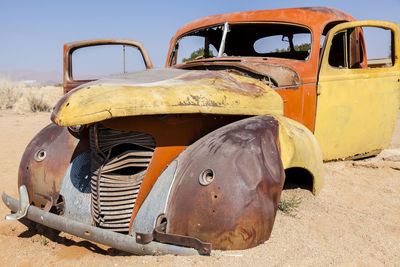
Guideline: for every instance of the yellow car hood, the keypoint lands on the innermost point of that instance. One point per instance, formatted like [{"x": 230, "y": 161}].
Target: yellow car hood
[{"x": 166, "y": 91}]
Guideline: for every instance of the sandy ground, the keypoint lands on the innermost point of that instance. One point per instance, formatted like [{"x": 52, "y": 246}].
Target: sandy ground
[{"x": 355, "y": 221}]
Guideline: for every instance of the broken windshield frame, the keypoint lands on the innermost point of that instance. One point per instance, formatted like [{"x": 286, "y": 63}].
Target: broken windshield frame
[
  {"x": 222, "y": 46},
  {"x": 249, "y": 39},
  {"x": 206, "y": 49}
]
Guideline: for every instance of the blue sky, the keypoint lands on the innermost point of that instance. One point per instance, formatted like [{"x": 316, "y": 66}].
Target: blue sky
[{"x": 32, "y": 32}]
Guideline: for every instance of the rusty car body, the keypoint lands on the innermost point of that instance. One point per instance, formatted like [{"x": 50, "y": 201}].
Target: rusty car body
[{"x": 194, "y": 156}]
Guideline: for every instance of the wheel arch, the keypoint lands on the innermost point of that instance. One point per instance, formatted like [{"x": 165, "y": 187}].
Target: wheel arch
[{"x": 300, "y": 152}]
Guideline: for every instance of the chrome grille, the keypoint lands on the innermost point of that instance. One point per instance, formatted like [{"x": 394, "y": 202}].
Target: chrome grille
[{"x": 119, "y": 161}]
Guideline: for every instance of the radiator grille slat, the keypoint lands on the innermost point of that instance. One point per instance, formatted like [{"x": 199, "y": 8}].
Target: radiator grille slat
[
  {"x": 119, "y": 193},
  {"x": 119, "y": 161},
  {"x": 112, "y": 188}
]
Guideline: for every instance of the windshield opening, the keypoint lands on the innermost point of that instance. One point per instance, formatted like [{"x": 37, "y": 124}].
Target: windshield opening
[{"x": 244, "y": 40}]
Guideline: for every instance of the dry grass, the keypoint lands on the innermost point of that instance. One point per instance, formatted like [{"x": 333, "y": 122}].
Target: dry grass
[
  {"x": 20, "y": 98},
  {"x": 38, "y": 104},
  {"x": 289, "y": 207},
  {"x": 9, "y": 93}
]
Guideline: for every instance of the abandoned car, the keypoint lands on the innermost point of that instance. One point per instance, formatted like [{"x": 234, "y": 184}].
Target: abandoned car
[{"x": 194, "y": 156}]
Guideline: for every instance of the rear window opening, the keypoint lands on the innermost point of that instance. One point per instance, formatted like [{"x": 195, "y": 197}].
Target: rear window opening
[{"x": 244, "y": 40}]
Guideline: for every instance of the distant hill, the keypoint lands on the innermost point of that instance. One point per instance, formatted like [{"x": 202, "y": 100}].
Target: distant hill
[{"x": 44, "y": 78}]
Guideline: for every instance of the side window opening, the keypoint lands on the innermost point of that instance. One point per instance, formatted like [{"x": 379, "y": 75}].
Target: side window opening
[
  {"x": 379, "y": 47},
  {"x": 338, "y": 51},
  {"x": 362, "y": 47},
  {"x": 327, "y": 28}
]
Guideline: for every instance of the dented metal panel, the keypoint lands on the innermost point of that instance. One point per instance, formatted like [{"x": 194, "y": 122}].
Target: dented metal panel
[
  {"x": 45, "y": 161},
  {"x": 299, "y": 148},
  {"x": 211, "y": 141},
  {"x": 208, "y": 92},
  {"x": 237, "y": 209},
  {"x": 279, "y": 75}
]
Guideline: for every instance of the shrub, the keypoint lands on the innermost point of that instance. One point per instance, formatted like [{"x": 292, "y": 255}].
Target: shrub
[
  {"x": 37, "y": 104},
  {"x": 9, "y": 94}
]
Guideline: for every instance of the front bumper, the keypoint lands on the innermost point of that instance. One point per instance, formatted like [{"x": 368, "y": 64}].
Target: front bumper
[{"x": 119, "y": 241}]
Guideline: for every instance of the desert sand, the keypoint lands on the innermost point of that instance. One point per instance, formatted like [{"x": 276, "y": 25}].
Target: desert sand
[{"x": 354, "y": 221}]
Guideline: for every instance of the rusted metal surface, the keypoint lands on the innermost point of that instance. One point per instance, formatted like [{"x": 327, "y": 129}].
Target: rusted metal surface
[
  {"x": 119, "y": 161},
  {"x": 172, "y": 134},
  {"x": 299, "y": 102},
  {"x": 223, "y": 80},
  {"x": 45, "y": 161},
  {"x": 315, "y": 18},
  {"x": 328, "y": 11},
  {"x": 178, "y": 144},
  {"x": 69, "y": 83},
  {"x": 108, "y": 238},
  {"x": 186, "y": 241},
  {"x": 237, "y": 209},
  {"x": 280, "y": 75},
  {"x": 194, "y": 91}
]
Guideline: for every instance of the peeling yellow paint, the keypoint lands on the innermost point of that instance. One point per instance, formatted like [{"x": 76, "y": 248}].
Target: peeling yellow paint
[
  {"x": 299, "y": 148},
  {"x": 357, "y": 108},
  {"x": 212, "y": 93}
]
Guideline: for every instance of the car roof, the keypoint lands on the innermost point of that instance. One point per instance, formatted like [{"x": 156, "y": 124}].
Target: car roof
[{"x": 312, "y": 17}]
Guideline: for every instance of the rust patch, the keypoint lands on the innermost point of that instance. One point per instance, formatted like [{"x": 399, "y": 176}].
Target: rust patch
[
  {"x": 42, "y": 177},
  {"x": 194, "y": 100},
  {"x": 237, "y": 209},
  {"x": 326, "y": 10},
  {"x": 224, "y": 81},
  {"x": 281, "y": 75}
]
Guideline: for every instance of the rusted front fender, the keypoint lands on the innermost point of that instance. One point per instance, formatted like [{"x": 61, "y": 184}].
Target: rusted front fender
[
  {"x": 224, "y": 188},
  {"x": 228, "y": 184},
  {"x": 45, "y": 161}
]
